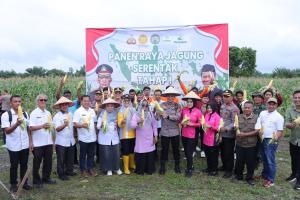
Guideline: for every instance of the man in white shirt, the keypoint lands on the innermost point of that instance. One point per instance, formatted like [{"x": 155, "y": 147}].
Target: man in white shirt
[
  {"x": 84, "y": 121},
  {"x": 270, "y": 124},
  {"x": 40, "y": 127},
  {"x": 64, "y": 140},
  {"x": 17, "y": 141}
]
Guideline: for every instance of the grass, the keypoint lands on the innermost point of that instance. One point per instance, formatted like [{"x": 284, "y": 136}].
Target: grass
[{"x": 170, "y": 186}]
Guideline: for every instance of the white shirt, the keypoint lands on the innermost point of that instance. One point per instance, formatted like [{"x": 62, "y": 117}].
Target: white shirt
[
  {"x": 18, "y": 139},
  {"x": 64, "y": 137},
  {"x": 271, "y": 122},
  {"x": 41, "y": 137},
  {"x": 111, "y": 137},
  {"x": 85, "y": 135}
]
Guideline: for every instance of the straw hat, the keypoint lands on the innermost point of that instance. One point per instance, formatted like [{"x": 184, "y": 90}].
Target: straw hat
[
  {"x": 110, "y": 101},
  {"x": 61, "y": 101},
  {"x": 191, "y": 95},
  {"x": 170, "y": 91}
]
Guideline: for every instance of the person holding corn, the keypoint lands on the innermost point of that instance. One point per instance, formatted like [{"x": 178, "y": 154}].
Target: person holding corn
[
  {"x": 40, "y": 125},
  {"x": 127, "y": 134},
  {"x": 64, "y": 140},
  {"x": 292, "y": 122},
  {"x": 190, "y": 119}
]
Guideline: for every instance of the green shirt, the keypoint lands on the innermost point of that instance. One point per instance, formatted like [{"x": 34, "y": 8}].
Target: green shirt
[
  {"x": 257, "y": 109},
  {"x": 290, "y": 116}
]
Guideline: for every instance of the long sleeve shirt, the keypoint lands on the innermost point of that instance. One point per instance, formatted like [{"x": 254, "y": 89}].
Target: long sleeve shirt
[
  {"x": 228, "y": 113},
  {"x": 210, "y": 133},
  {"x": 169, "y": 126},
  {"x": 194, "y": 116}
]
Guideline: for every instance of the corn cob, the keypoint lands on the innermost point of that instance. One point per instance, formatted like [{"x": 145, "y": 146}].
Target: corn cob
[
  {"x": 135, "y": 102},
  {"x": 297, "y": 121},
  {"x": 236, "y": 124},
  {"x": 221, "y": 124},
  {"x": 158, "y": 107},
  {"x": 203, "y": 124},
  {"x": 273, "y": 140},
  {"x": 185, "y": 120},
  {"x": 143, "y": 117},
  {"x": 68, "y": 118},
  {"x": 65, "y": 78},
  {"x": 96, "y": 107},
  {"x": 49, "y": 121},
  {"x": 20, "y": 116},
  {"x": 104, "y": 122},
  {"x": 79, "y": 85},
  {"x": 270, "y": 84}
]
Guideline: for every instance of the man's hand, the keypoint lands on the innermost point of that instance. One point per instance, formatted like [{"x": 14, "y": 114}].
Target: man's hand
[
  {"x": 46, "y": 125},
  {"x": 155, "y": 140},
  {"x": 178, "y": 77},
  {"x": 31, "y": 147},
  {"x": 85, "y": 125},
  {"x": 164, "y": 115},
  {"x": 19, "y": 121},
  {"x": 291, "y": 125},
  {"x": 222, "y": 129}
]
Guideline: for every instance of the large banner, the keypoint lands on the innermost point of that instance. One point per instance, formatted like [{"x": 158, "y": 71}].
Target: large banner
[{"x": 135, "y": 57}]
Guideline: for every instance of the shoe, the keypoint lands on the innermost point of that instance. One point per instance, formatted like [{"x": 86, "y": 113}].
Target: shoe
[
  {"x": 92, "y": 173},
  {"x": 234, "y": 156},
  {"x": 260, "y": 177},
  {"x": 63, "y": 178},
  {"x": 84, "y": 174},
  {"x": 194, "y": 154},
  {"x": 109, "y": 173},
  {"x": 26, "y": 186},
  {"x": 215, "y": 173},
  {"x": 13, "y": 188},
  {"x": 119, "y": 172},
  {"x": 188, "y": 173},
  {"x": 49, "y": 181},
  {"x": 182, "y": 149},
  {"x": 291, "y": 178},
  {"x": 268, "y": 184},
  {"x": 297, "y": 185},
  {"x": 250, "y": 182},
  {"x": 177, "y": 169},
  {"x": 227, "y": 175},
  {"x": 131, "y": 162},
  {"x": 198, "y": 148},
  {"x": 202, "y": 154},
  {"x": 205, "y": 170},
  {"x": 126, "y": 165},
  {"x": 162, "y": 169},
  {"x": 71, "y": 174},
  {"x": 238, "y": 178},
  {"x": 222, "y": 168}
]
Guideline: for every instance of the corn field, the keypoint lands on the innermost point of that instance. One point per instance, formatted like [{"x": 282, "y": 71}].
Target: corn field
[{"x": 30, "y": 87}]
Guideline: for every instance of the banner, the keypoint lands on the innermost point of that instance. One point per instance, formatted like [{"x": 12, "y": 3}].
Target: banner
[{"x": 136, "y": 57}]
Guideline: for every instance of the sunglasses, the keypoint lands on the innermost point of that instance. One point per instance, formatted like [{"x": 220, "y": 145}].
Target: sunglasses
[{"x": 45, "y": 100}]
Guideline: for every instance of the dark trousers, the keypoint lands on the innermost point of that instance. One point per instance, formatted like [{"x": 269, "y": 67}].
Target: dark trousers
[
  {"x": 75, "y": 154},
  {"x": 16, "y": 158},
  {"x": 201, "y": 132},
  {"x": 295, "y": 160},
  {"x": 227, "y": 153},
  {"x": 189, "y": 147},
  {"x": 43, "y": 153},
  {"x": 165, "y": 142},
  {"x": 145, "y": 163},
  {"x": 245, "y": 155},
  {"x": 86, "y": 157},
  {"x": 155, "y": 153},
  {"x": 212, "y": 156},
  {"x": 65, "y": 159}
]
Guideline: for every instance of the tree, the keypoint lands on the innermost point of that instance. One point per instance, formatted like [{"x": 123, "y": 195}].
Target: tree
[
  {"x": 55, "y": 72},
  {"x": 36, "y": 71},
  {"x": 81, "y": 71}
]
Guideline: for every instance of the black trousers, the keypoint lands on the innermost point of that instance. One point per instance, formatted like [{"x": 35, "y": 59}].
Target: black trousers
[
  {"x": 212, "y": 156},
  {"x": 295, "y": 160},
  {"x": 201, "y": 132},
  {"x": 227, "y": 153},
  {"x": 43, "y": 153},
  {"x": 65, "y": 159},
  {"x": 145, "y": 163},
  {"x": 189, "y": 147},
  {"x": 245, "y": 155},
  {"x": 155, "y": 153},
  {"x": 16, "y": 158},
  {"x": 165, "y": 143}
]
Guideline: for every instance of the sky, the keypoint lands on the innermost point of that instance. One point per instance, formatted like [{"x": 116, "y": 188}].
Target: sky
[{"x": 51, "y": 33}]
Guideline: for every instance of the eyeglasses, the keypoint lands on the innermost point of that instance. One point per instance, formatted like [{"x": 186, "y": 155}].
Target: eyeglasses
[
  {"x": 45, "y": 100},
  {"x": 98, "y": 94},
  {"x": 104, "y": 76}
]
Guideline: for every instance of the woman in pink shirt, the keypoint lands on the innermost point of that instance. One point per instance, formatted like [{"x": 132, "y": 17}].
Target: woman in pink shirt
[
  {"x": 211, "y": 146},
  {"x": 190, "y": 119}
]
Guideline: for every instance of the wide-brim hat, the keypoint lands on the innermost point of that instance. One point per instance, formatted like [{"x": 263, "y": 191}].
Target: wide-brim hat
[
  {"x": 63, "y": 100},
  {"x": 170, "y": 91},
  {"x": 191, "y": 95},
  {"x": 110, "y": 101}
]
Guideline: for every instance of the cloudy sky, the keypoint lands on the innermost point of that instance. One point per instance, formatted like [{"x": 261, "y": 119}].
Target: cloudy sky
[{"x": 51, "y": 33}]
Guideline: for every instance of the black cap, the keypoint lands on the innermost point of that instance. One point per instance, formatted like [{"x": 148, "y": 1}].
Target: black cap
[
  {"x": 218, "y": 94},
  {"x": 132, "y": 90},
  {"x": 208, "y": 68},
  {"x": 104, "y": 68},
  {"x": 67, "y": 92},
  {"x": 194, "y": 88},
  {"x": 257, "y": 94},
  {"x": 105, "y": 89},
  {"x": 146, "y": 88},
  {"x": 126, "y": 96},
  {"x": 227, "y": 93},
  {"x": 118, "y": 89}
]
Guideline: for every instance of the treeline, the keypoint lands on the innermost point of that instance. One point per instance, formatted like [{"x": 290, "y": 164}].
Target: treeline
[{"x": 42, "y": 72}]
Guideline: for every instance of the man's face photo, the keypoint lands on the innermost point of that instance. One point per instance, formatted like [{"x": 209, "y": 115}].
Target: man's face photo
[
  {"x": 207, "y": 78},
  {"x": 104, "y": 79}
]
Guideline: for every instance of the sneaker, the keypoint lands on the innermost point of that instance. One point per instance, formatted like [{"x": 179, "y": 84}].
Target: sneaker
[
  {"x": 291, "y": 178},
  {"x": 194, "y": 154},
  {"x": 297, "y": 185},
  {"x": 109, "y": 173},
  {"x": 268, "y": 184},
  {"x": 198, "y": 148},
  {"x": 119, "y": 172},
  {"x": 202, "y": 154}
]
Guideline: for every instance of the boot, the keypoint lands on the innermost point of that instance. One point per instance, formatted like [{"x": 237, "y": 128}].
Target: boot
[
  {"x": 177, "y": 168},
  {"x": 126, "y": 165},
  {"x": 131, "y": 161},
  {"x": 162, "y": 169}
]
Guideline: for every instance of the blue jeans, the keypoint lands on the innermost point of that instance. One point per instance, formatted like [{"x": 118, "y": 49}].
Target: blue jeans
[
  {"x": 268, "y": 152},
  {"x": 86, "y": 157}
]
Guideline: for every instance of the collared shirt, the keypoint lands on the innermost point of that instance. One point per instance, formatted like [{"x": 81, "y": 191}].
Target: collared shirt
[
  {"x": 247, "y": 124},
  {"x": 64, "y": 137},
  {"x": 126, "y": 132},
  {"x": 82, "y": 115},
  {"x": 41, "y": 137},
  {"x": 110, "y": 137},
  {"x": 169, "y": 126},
  {"x": 18, "y": 139},
  {"x": 290, "y": 116},
  {"x": 257, "y": 109},
  {"x": 270, "y": 122},
  {"x": 228, "y": 113}
]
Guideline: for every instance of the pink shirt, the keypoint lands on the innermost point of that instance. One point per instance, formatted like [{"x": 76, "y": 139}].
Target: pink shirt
[
  {"x": 210, "y": 133},
  {"x": 195, "y": 118}
]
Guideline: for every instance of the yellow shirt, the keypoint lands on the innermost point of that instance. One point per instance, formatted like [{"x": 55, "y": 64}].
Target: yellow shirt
[{"x": 126, "y": 132}]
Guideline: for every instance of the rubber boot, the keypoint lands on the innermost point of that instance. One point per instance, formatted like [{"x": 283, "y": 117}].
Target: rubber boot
[
  {"x": 131, "y": 161},
  {"x": 126, "y": 165}
]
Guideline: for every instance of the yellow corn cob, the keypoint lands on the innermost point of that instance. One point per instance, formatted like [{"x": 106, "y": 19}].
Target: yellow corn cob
[
  {"x": 89, "y": 119},
  {"x": 68, "y": 118},
  {"x": 185, "y": 120},
  {"x": 270, "y": 84},
  {"x": 221, "y": 124},
  {"x": 158, "y": 107},
  {"x": 135, "y": 101},
  {"x": 96, "y": 107},
  {"x": 126, "y": 113},
  {"x": 203, "y": 124},
  {"x": 113, "y": 94},
  {"x": 65, "y": 78},
  {"x": 104, "y": 122},
  {"x": 83, "y": 120},
  {"x": 142, "y": 117},
  {"x": 49, "y": 121},
  {"x": 245, "y": 95},
  {"x": 297, "y": 120},
  {"x": 20, "y": 112},
  {"x": 236, "y": 124},
  {"x": 273, "y": 140},
  {"x": 79, "y": 85}
]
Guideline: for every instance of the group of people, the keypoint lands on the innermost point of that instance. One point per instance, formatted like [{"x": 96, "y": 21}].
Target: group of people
[{"x": 115, "y": 125}]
